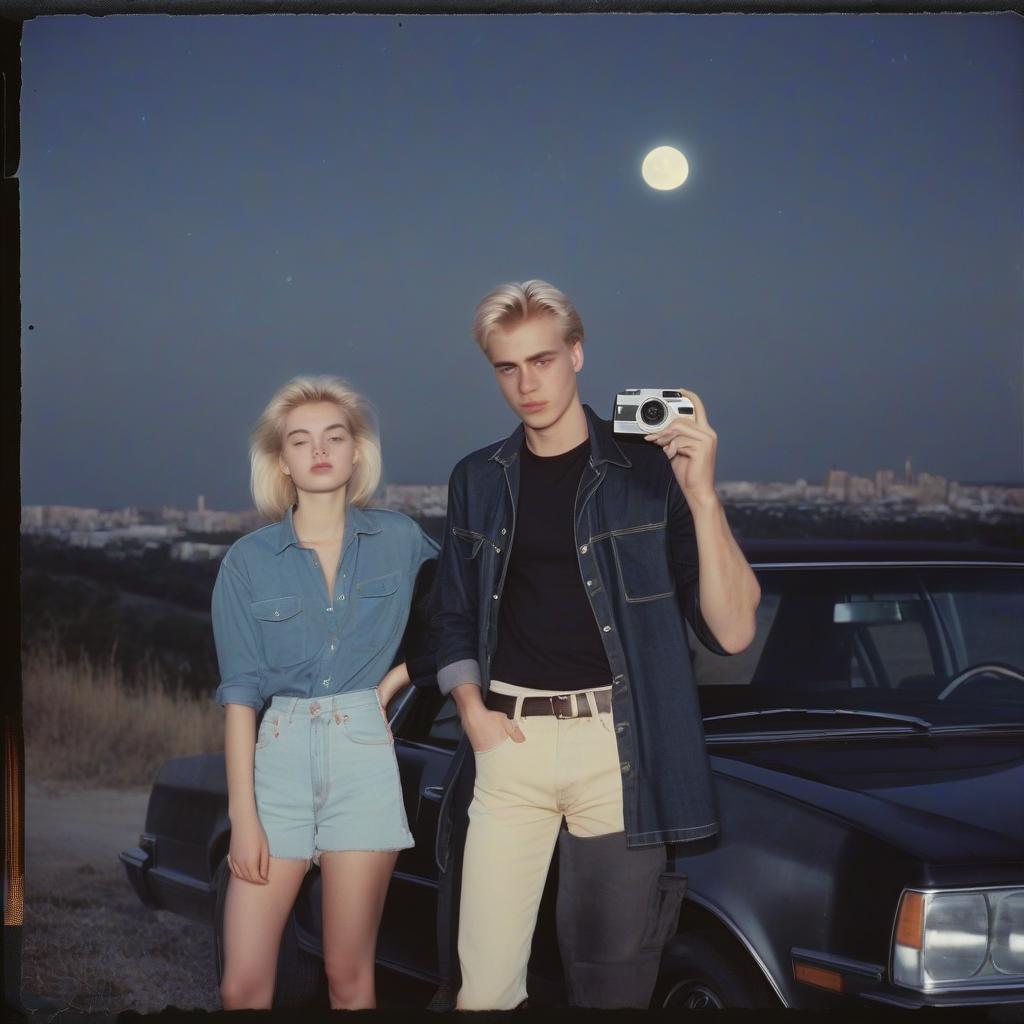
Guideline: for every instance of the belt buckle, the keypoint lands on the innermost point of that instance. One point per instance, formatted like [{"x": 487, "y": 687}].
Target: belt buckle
[{"x": 571, "y": 697}]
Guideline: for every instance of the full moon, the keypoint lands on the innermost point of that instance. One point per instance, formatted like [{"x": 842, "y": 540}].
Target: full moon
[{"x": 665, "y": 168}]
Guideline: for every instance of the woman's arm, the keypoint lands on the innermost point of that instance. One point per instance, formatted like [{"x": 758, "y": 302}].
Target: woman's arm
[
  {"x": 249, "y": 855},
  {"x": 393, "y": 683},
  {"x": 238, "y": 656}
]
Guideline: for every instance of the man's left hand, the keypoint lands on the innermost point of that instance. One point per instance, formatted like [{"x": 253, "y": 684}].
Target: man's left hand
[{"x": 690, "y": 444}]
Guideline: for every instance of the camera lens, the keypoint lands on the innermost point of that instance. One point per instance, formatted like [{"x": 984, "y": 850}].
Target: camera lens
[{"x": 652, "y": 412}]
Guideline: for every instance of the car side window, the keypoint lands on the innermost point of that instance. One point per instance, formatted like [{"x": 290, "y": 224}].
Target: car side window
[{"x": 736, "y": 669}]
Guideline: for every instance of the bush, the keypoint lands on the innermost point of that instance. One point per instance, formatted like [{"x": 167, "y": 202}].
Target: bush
[{"x": 86, "y": 722}]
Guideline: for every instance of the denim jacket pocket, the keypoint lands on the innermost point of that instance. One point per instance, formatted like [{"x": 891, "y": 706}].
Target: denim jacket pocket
[
  {"x": 283, "y": 630},
  {"x": 471, "y": 544},
  {"x": 642, "y": 562}
]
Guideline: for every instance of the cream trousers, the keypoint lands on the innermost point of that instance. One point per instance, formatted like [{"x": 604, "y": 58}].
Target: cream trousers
[{"x": 565, "y": 768}]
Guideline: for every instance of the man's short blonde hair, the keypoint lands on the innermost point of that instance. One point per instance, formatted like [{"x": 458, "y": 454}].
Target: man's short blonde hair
[
  {"x": 520, "y": 300},
  {"x": 273, "y": 490}
]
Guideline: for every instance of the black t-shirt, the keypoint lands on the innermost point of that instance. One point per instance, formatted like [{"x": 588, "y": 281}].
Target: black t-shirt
[{"x": 547, "y": 634}]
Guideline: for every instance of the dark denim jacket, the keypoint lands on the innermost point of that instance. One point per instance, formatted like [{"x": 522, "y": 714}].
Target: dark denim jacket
[{"x": 637, "y": 554}]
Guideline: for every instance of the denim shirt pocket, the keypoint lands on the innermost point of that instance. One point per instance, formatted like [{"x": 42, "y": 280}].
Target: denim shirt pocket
[
  {"x": 378, "y": 612},
  {"x": 379, "y": 586},
  {"x": 282, "y": 629},
  {"x": 642, "y": 562}
]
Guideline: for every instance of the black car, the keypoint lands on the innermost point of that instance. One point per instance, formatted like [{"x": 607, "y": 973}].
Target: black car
[{"x": 868, "y": 759}]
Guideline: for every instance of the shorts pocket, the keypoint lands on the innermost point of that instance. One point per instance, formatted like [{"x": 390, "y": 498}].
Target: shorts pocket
[
  {"x": 663, "y": 911},
  {"x": 269, "y": 730},
  {"x": 367, "y": 725},
  {"x": 283, "y": 630}
]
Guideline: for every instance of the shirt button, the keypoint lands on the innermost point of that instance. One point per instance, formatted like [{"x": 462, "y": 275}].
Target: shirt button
[
  {"x": 583, "y": 549},
  {"x": 342, "y": 597},
  {"x": 607, "y": 629},
  {"x": 329, "y": 608},
  {"x": 327, "y": 681},
  {"x": 316, "y": 564},
  {"x": 277, "y": 615}
]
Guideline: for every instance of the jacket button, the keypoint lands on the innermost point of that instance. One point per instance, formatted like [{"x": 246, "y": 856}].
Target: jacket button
[
  {"x": 583, "y": 549},
  {"x": 503, "y": 531},
  {"x": 620, "y": 728},
  {"x": 607, "y": 629},
  {"x": 495, "y": 596},
  {"x": 626, "y": 767}
]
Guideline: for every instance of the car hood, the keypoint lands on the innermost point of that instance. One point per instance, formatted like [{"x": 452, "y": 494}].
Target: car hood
[{"x": 943, "y": 800}]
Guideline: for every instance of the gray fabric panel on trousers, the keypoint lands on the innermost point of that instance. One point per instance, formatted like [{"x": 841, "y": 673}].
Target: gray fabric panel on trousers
[{"x": 616, "y": 909}]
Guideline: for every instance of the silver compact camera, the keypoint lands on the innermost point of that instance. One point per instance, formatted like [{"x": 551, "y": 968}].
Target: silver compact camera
[{"x": 646, "y": 410}]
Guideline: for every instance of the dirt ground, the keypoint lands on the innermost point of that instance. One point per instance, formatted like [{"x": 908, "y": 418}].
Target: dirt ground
[{"x": 89, "y": 943}]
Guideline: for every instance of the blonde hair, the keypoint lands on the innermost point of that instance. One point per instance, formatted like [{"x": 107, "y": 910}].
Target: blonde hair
[
  {"x": 273, "y": 490},
  {"x": 518, "y": 301}
]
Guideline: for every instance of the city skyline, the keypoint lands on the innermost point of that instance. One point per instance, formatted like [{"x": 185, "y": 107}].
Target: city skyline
[{"x": 839, "y": 278}]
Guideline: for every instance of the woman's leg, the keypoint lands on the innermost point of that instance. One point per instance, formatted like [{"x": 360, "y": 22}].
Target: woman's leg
[
  {"x": 354, "y": 884},
  {"x": 254, "y": 918}
]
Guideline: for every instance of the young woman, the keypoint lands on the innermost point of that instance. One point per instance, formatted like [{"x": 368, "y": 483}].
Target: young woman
[{"x": 308, "y": 614}]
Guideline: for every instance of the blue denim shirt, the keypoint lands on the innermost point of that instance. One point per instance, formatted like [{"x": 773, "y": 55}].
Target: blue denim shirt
[
  {"x": 638, "y": 561},
  {"x": 278, "y": 631}
]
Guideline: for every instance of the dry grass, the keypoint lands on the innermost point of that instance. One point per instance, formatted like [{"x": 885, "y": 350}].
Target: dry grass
[{"x": 87, "y": 723}]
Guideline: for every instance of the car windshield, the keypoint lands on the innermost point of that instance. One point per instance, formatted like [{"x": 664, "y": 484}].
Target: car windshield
[{"x": 944, "y": 646}]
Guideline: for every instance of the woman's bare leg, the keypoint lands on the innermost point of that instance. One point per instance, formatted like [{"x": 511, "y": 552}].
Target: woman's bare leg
[
  {"x": 254, "y": 918},
  {"x": 354, "y": 883}
]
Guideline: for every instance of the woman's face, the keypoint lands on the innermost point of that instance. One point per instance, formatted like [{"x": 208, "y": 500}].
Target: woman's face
[{"x": 318, "y": 451}]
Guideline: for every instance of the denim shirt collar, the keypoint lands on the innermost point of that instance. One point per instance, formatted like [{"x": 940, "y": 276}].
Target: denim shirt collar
[
  {"x": 603, "y": 446},
  {"x": 361, "y": 523}
]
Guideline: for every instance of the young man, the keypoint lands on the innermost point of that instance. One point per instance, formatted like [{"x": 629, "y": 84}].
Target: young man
[{"x": 569, "y": 561}]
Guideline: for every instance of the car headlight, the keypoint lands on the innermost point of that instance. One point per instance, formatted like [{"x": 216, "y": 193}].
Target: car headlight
[{"x": 959, "y": 938}]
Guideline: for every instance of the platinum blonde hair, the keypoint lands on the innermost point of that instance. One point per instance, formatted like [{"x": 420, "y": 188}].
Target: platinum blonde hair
[
  {"x": 517, "y": 301},
  {"x": 273, "y": 490}
]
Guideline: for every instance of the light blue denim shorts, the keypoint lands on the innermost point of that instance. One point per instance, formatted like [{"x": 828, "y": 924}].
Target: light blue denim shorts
[{"x": 326, "y": 777}]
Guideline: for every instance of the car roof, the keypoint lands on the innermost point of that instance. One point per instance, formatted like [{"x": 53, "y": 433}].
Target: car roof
[{"x": 817, "y": 550}]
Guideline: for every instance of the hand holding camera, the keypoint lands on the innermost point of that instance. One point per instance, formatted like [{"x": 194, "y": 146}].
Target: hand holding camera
[{"x": 674, "y": 419}]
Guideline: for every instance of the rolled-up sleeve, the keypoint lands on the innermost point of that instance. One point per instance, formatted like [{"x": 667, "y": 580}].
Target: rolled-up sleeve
[
  {"x": 683, "y": 553},
  {"x": 454, "y": 620},
  {"x": 234, "y": 634}
]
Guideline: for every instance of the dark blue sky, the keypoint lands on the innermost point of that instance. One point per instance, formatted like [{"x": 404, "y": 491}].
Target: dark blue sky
[{"x": 213, "y": 204}]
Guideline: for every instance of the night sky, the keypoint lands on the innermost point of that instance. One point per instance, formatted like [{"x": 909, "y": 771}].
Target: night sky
[{"x": 213, "y": 204}]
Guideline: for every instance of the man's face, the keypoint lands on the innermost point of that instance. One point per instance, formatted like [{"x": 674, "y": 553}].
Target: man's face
[{"x": 535, "y": 368}]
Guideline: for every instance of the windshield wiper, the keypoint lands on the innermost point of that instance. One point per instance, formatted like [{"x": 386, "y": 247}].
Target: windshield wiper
[{"x": 911, "y": 720}]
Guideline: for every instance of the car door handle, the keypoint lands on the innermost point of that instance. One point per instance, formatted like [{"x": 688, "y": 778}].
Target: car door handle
[{"x": 435, "y": 793}]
